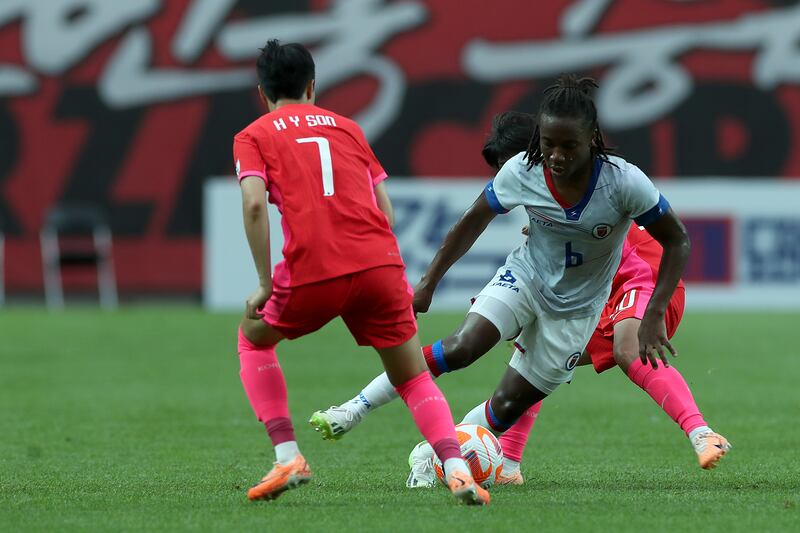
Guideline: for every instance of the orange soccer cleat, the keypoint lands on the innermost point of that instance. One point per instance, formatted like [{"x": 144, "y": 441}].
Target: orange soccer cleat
[
  {"x": 466, "y": 490},
  {"x": 280, "y": 479},
  {"x": 511, "y": 479},
  {"x": 710, "y": 447}
]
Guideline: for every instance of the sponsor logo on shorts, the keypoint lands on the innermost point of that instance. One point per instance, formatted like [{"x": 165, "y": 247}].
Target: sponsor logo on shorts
[
  {"x": 506, "y": 281},
  {"x": 601, "y": 231},
  {"x": 507, "y": 277},
  {"x": 572, "y": 360}
]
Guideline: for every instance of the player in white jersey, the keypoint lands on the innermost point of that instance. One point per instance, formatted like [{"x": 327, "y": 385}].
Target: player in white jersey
[{"x": 580, "y": 201}]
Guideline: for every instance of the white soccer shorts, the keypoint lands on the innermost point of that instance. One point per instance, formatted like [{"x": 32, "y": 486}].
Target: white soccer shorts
[{"x": 548, "y": 346}]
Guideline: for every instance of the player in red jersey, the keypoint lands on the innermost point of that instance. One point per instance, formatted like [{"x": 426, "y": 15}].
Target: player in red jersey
[
  {"x": 613, "y": 343},
  {"x": 340, "y": 259}
]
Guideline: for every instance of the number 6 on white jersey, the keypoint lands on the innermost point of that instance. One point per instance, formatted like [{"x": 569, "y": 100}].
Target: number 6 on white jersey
[{"x": 325, "y": 161}]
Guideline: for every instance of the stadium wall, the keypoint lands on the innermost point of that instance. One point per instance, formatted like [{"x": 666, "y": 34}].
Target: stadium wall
[
  {"x": 745, "y": 235},
  {"x": 130, "y": 105}
]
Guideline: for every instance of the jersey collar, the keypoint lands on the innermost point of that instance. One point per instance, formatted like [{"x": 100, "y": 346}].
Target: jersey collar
[{"x": 574, "y": 212}]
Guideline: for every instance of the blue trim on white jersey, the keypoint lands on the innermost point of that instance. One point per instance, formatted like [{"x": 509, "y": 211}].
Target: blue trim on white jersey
[
  {"x": 575, "y": 212},
  {"x": 658, "y": 211},
  {"x": 491, "y": 197}
]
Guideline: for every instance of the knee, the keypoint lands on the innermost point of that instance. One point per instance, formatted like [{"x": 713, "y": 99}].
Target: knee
[
  {"x": 254, "y": 334},
  {"x": 624, "y": 356}
]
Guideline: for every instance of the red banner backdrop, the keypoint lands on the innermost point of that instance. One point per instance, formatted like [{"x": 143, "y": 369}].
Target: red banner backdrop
[{"x": 131, "y": 105}]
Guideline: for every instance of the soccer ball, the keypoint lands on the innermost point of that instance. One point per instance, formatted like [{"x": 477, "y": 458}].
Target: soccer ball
[{"x": 481, "y": 450}]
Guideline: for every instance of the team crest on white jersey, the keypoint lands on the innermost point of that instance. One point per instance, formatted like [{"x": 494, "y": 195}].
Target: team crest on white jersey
[
  {"x": 572, "y": 361},
  {"x": 601, "y": 231}
]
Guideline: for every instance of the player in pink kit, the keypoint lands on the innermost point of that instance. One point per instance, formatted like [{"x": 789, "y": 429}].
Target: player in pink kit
[
  {"x": 340, "y": 259},
  {"x": 613, "y": 343}
]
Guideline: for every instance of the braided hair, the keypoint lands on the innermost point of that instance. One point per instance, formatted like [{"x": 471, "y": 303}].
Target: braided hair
[{"x": 569, "y": 97}]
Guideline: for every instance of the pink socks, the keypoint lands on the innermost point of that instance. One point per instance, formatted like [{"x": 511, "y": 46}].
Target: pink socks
[
  {"x": 667, "y": 388},
  {"x": 514, "y": 440},
  {"x": 265, "y": 388},
  {"x": 431, "y": 414}
]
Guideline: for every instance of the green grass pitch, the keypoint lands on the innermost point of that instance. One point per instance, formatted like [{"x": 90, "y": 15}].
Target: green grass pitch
[{"x": 136, "y": 420}]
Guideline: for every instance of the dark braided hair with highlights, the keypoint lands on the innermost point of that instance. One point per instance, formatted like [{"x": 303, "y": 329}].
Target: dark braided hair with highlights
[{"x": 569, "y": 97}]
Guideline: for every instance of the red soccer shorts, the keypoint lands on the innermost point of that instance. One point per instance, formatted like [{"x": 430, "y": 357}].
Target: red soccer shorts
[
  {"x": 622, "y": 305},
  {"x": 375, "y": 305}
]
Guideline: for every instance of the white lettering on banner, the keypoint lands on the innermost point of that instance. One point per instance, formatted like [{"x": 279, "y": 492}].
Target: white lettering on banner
[
  {"x": 54, "y": 41},
  {"x": 197, "y": 27},
  {"x": 580, "y": 17},
  {"x": 422, "y": 221},
  {"x": 772, "y": 249},
  {"x": 348, "y": 35},
  {"x": 347, "y": 39},
  {"x": 645, "y": 58},
  {"x": 16, "y": 80},
  {"x": 762, "y": 250},
  {"x": 128, "y": 80}
]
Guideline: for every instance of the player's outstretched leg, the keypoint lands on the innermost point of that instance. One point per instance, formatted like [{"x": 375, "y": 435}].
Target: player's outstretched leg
[
  {"x": 669, "y": 390},
  {"x": 473, "y": 338},
  {"x": 265, "y": 387},
  {"x": 333, "y": 422},
  {"x": 666, "y": 386},
  {"x": 432, "y": 417},
  {"x": 512, "y": 398},
  {"x": 513, "y": 444}
]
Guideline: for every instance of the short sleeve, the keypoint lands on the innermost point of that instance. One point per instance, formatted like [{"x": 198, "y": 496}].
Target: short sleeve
[
  {"x": 641, "y": 199},
  {"x": 376, "y": 171},
  {"x": 504, "y": 192},
  {"x": 247, "y": 156}
]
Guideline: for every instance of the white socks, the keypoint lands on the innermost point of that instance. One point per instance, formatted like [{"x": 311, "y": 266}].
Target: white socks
[
  {"x": 378, "y": 392},
  {"x": 285, "y": 452},
  {"x": 509, "y": 466},
  {"x": 455, "y": 463},
  {"x": 697, "y": 431}
]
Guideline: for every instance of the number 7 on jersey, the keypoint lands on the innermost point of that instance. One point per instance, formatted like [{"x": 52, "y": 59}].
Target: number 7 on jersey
[{"x": 325, "y": 161}]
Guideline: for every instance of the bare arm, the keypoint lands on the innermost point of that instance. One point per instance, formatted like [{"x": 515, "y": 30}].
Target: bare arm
[
  {"x": 670, "y": 232},
  {"x": 458, "y": 241},
  {"x": 384, "y": 203},
  {"x": 256, "y": 227}
]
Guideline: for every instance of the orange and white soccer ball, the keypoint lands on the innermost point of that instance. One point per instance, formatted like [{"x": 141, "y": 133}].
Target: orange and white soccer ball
[{"x": 481, "y": 450}]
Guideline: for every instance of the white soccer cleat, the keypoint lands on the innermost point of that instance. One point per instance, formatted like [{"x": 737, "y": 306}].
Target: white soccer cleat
[
  {"x": 420, "y": 460},
  {"x": 334, "y": 422}
]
